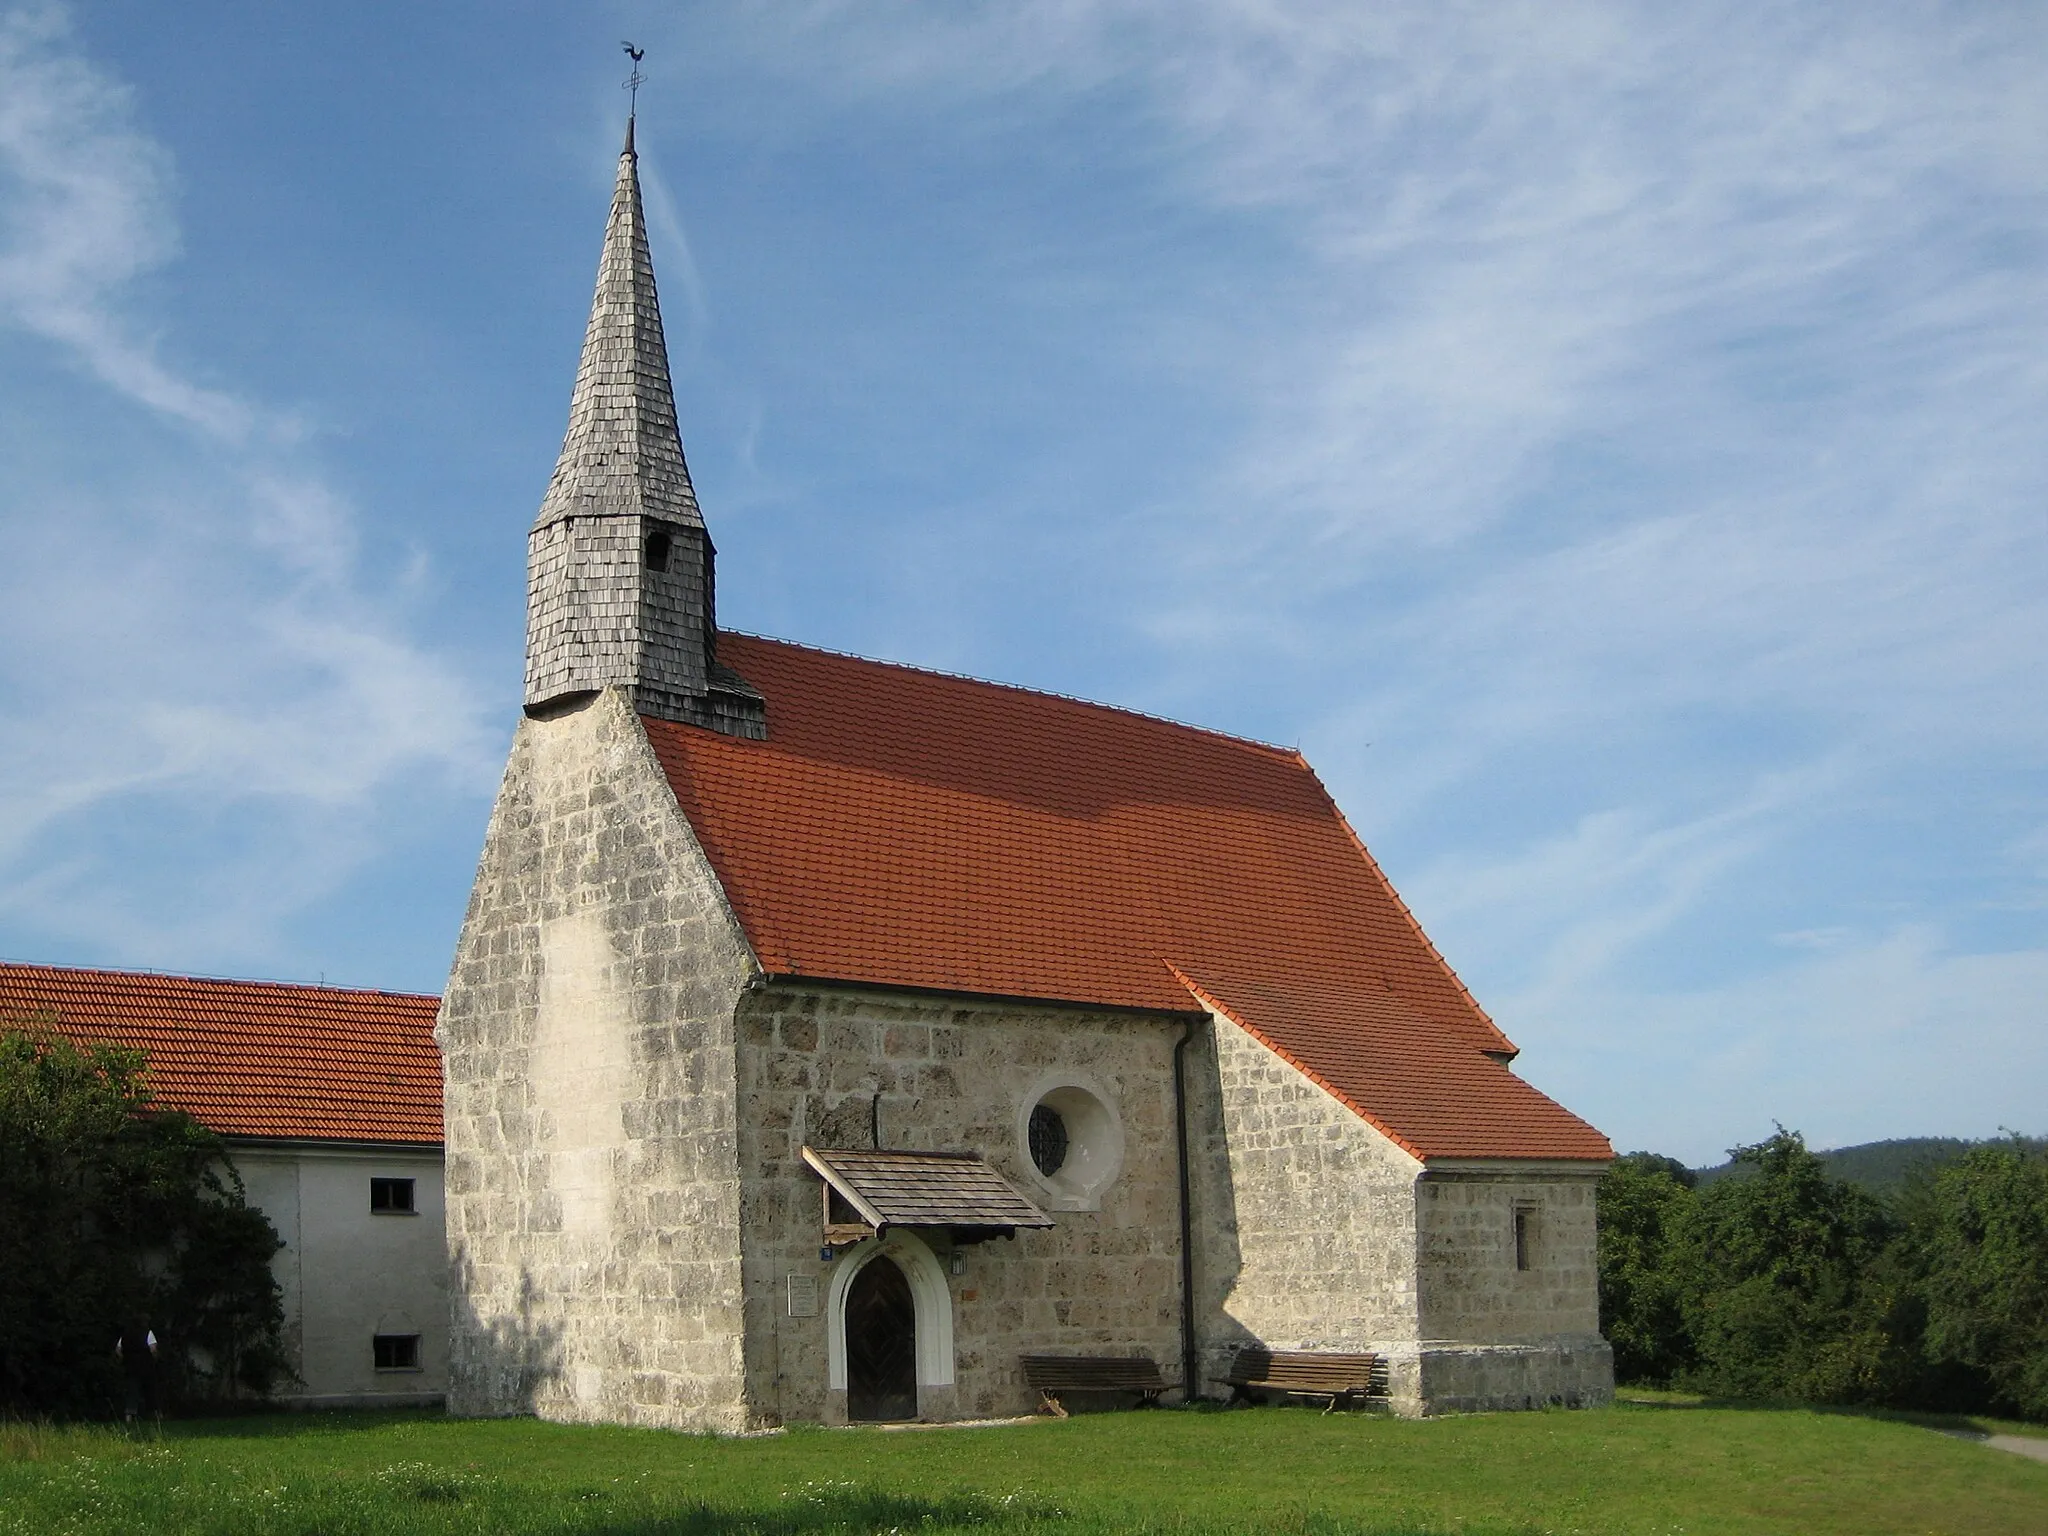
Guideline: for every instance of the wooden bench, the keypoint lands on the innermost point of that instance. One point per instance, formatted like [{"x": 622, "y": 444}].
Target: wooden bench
[
  {"x": 1310, "y": 1373},
  {"x": 1051, "y": 1375}
]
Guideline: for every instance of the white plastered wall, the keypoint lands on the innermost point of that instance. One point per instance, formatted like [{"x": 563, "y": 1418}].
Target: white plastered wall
[{"x": 349, "y": 1273}]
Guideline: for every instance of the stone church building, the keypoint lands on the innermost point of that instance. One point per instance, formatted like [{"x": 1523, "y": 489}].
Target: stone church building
[{"x": 825, "y": 1035}]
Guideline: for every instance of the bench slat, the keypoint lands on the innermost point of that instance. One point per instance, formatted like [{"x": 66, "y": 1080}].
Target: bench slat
[
  {"x": 1080, "y": 1372},
  {"x": 1050, "y": 1375},
  {"x": 1316, "y": 1373}
]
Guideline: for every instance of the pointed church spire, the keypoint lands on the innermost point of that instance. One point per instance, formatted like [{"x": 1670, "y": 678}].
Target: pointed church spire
[
  {"x": 620, "y": 580},
  {"x": 622, "y": 453}
]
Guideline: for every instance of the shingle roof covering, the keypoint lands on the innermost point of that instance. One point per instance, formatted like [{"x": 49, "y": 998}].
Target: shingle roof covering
[
  {"x": 906, "y": 828},
  {"x": 253, "y": 1058},
  {"x": 925, "y": 1189},
  {"x": 622, "y": 453}
]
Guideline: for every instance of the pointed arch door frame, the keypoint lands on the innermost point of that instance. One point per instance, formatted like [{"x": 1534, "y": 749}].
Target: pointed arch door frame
[{"x": 930, "y": 1296}]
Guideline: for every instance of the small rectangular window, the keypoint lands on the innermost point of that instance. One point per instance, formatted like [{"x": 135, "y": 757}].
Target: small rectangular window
[
  {"x": 396, "y": 1351},
  {"x": 1525, "y": 1254},
  {"x": 391, "y": 1196}
]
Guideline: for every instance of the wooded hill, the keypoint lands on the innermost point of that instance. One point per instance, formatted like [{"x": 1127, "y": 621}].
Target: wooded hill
[{"x": 1882, "y": 1167}]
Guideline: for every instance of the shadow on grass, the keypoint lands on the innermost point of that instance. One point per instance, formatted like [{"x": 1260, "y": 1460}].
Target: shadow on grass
[
  {"x": 1965, "y": 1424},
  {"x": 810, "y": 1511},
  {"x": 284, "y": 1422}
]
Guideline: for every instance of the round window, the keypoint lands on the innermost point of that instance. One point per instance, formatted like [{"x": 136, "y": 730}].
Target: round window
[
  {"x": 1070, "y": 1141},
  {"x": 1048, "y": 1138}
]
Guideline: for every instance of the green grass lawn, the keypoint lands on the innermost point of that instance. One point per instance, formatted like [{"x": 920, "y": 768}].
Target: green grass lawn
[{"x": 1660, "y": 1467}]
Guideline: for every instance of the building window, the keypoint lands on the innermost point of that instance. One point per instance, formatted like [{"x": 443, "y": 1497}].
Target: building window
[
  {"x": 1070, "y": 1140},
  {"x": 392, "y": 1197},
  {"x": 396, "y": 1351},
  {"x": 1048, "y": 1139},
  {"x": 1525, "y": 1237},
  {"x": 657, "y": 551}
]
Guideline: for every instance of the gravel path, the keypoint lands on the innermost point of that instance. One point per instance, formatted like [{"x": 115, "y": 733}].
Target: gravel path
[
  {"x": 2019, "y": 1445},
  {"x": 2022, "y": 1445}
]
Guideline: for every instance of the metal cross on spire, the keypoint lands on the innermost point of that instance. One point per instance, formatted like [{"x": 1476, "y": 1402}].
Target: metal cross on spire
[{"x": 632, "y": 83}]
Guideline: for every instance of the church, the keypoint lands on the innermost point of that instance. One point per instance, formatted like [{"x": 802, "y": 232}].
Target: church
[{"x": 827, "y": 1037}]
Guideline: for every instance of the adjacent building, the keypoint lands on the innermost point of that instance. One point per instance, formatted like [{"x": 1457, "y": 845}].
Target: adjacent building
[{"x": 330, "y": 1103}]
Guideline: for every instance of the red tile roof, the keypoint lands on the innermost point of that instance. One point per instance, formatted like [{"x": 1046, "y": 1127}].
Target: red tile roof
[
  {"x": 906, "y": 828},
  {"x": 253, "y": 1058}
]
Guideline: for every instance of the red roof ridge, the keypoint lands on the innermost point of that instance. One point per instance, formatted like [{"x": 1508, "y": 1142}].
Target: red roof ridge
[
  {"x": 1037, "y": 693},
  {"x": 1401, "y": 905},
  {"x": 900, "y": 827},
  {"x": 215, "y": 981}
]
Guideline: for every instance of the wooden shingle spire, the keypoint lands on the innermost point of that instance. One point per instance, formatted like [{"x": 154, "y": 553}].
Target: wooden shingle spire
[{"x": 621, "y": 588}]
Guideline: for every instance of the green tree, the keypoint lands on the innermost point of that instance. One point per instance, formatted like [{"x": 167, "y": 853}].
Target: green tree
[
  {"x": 1644, "y": 1202},
  {"x": 116, "y": 1214},
  {"x": 1982, "y": 1243},
  {"x": 1786, "y": 1285}
]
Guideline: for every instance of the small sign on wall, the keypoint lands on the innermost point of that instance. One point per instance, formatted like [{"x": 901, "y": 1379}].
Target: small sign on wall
[{"x": 803, "y": 1295}]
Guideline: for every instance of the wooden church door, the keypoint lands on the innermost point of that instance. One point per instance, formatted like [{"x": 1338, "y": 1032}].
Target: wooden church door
[{"x": 881, "y": 1343}]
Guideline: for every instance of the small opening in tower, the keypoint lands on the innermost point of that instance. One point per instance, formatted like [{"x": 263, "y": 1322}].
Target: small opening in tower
[{"x": 657, "y": 551}]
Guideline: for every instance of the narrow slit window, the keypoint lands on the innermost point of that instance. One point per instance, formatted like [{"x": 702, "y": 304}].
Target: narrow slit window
[
  {"x": 392, "y": 1197},
  {"x": 1525, "y": 1254},
  {"x": 657, "y": 551},
  {"x": 396, "y": 1351}
]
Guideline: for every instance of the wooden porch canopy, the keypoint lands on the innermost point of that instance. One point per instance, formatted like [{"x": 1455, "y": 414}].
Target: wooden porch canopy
[{"x": 866, "y": 1192}]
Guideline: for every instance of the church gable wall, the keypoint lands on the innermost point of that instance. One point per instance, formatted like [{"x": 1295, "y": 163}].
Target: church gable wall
[
  {"x": 955, "y": 1076},
  {"x": 592, "y": 1167},
  {"x": 1306, "y": 1235}
]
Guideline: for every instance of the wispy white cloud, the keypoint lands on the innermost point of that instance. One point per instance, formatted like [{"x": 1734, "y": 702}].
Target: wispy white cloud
[
  {"x": 1652, "y": 402},
  {"x": 192, "y": 651},
  {"x": 1935, "y": 1040},
  {"x": 85, "y": 210}
]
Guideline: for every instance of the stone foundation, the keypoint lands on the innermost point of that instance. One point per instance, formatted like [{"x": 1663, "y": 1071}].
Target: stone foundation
[{"x": 1572, "y": 1372}]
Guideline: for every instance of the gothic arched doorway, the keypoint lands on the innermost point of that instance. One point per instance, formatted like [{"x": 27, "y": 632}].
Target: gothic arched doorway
[{"x": 881, "y": 1343}]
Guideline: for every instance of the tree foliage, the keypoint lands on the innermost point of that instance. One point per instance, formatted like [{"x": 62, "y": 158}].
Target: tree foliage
[
  {"x": 116, "y": 1215},
  {"x": 1982, "y": 1242},
  {"x": 1643, "y": 1206},
  {"x": 1782, "y": 1281}
]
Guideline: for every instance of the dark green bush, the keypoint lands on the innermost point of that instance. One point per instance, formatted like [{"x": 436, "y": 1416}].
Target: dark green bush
[
  {"x": 1982, "y": 1245},
  {"x": 1644, "y": 1202},
  {"x": 117, "y": 1215},
  {"x": 1780, "y": 1277}
]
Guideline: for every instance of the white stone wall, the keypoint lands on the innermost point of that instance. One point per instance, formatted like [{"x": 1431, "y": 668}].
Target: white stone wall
[
  {"x": 957, "y": 1076},
  {"x": 349, "y": 1273},
  {"x": 1471, "y": 1288},
  {"x": 1307, "y": 1230},
  {"x": 593, "y": 1169}
]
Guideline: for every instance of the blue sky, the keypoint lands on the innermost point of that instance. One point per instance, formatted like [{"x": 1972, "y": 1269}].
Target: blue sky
[{"x": 1607, "y": 438}]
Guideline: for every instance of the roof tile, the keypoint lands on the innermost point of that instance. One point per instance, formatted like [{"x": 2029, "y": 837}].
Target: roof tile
[
  {"x": 253, "y": 1058},
  {"x": 907, "y": 828}
]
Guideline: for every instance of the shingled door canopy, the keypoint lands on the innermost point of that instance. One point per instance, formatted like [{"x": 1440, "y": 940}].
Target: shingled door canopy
[{"x": 955, "y": 1192}]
